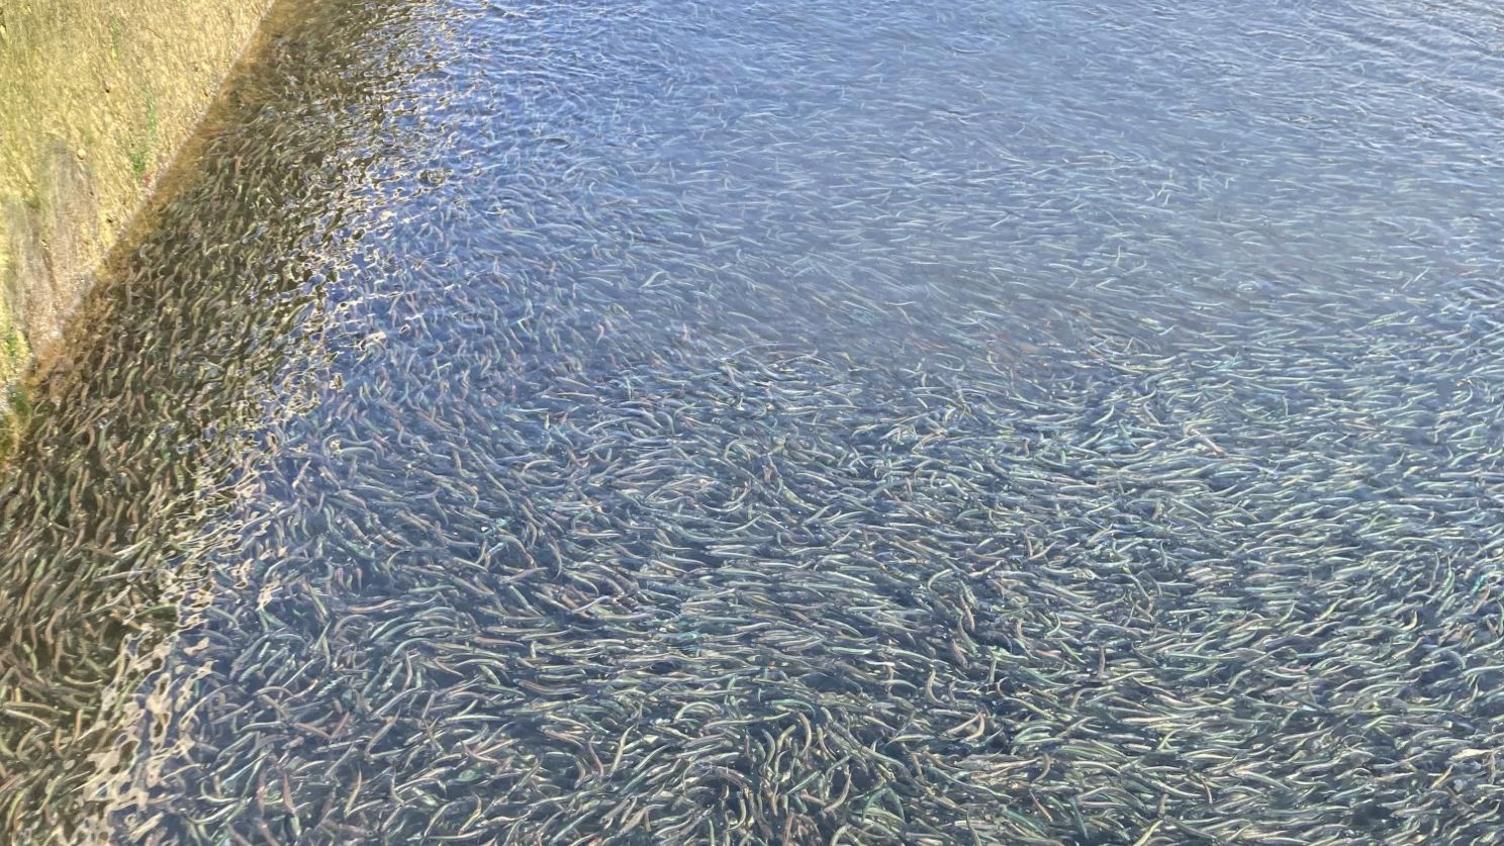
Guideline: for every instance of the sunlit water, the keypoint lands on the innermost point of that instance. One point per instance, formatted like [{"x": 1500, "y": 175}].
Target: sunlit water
[{"x": 954, "y": 422}]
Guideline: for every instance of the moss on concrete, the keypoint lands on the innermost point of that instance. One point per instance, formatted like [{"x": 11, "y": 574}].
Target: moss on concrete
[
  {"x": 96, "y": 97},
  {"x": 14, "y": 353}
]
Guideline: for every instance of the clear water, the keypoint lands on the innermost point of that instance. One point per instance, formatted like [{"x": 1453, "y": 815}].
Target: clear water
[{"x": 664, "y": 422}]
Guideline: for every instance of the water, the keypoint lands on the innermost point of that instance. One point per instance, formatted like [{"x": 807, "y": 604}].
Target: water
[{"x": 810, "y": 422}]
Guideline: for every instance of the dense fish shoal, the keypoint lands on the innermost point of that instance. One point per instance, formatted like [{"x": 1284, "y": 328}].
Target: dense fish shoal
[{"x": 814, "y": 422}]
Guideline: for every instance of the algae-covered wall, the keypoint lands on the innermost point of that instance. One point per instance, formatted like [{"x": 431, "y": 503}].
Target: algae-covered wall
[{"x": 95, "y": 98}]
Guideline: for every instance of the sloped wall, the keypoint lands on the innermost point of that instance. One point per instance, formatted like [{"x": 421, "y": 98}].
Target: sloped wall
[{"x": 96, "y": 97}]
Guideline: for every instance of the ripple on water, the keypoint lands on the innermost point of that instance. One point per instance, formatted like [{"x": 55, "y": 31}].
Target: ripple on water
[{"x": 804, "y": 422}]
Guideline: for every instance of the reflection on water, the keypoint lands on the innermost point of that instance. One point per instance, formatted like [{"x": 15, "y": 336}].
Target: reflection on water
[{"x": 806, "y": 422}]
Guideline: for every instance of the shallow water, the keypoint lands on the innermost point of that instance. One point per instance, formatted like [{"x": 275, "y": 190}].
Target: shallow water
[{"x": 811, "y": 422}]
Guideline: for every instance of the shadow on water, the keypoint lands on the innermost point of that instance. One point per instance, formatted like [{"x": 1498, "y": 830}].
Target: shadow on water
[{"x": 204, "y": 330}]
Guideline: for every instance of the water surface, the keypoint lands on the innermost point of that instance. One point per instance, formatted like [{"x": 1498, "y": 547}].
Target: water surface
[{"x": 809, "y": 422}]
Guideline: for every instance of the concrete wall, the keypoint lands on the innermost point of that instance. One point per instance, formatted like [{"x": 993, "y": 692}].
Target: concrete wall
[{"x": 96, "y": 97}]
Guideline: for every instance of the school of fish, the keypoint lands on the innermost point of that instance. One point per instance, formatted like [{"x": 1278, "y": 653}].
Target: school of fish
[{"x": 668, "y": 422}]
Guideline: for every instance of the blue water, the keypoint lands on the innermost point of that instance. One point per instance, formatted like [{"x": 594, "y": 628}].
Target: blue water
[{"x": 810, "y": 422}]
